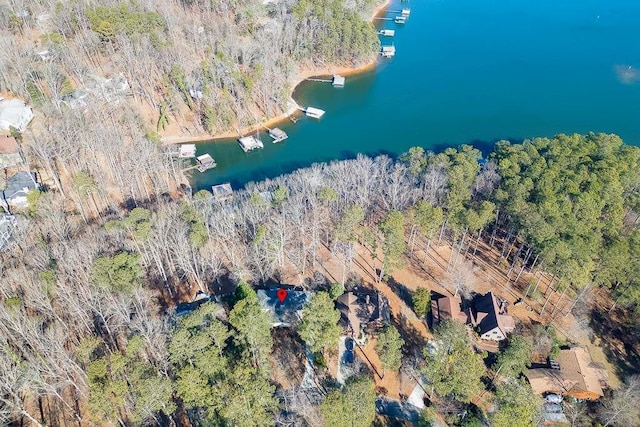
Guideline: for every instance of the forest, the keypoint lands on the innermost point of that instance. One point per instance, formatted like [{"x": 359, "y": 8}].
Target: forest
[
  {"x": 89, "y": 330},
  {"x": 111, "y": 245}
]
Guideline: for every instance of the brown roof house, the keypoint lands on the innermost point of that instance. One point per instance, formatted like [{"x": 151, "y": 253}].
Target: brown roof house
[
  {"x": 489, "y": 316},
  {"x": 573, "y": 374},
  {"x": 444, "y": 308},
  {"x": 362, "y": 309}
]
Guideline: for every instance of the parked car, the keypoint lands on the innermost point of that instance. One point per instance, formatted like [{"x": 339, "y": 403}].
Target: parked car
[{"x": 349, "y": 354}]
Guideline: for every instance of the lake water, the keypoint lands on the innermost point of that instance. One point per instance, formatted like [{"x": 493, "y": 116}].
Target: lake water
[{"x": 466, "y": 71}]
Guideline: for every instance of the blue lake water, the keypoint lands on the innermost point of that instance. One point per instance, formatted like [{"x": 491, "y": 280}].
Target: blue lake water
[{"x": 466, "y": 71}]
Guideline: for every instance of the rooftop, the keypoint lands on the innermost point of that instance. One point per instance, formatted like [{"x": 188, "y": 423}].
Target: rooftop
[
  {"x": 363, "y": 307},
  {"x": 449, "y": 307},
  {"x": 19, "y": 184},
  {"x": 222, "y": 191},
  {"x": 489, "y": 314},
  {"x": 578, "y": 376},
  {"x": 14, "y": 113},
  {"x": 284, "y": 313}
]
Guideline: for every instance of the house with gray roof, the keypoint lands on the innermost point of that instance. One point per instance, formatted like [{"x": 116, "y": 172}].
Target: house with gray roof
[
  {"x": 18, "y": 186},
  {"x": 285, "y": 313}
]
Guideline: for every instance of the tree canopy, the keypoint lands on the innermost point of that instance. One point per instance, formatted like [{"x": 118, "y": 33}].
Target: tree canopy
[
  {"x": 319, "y": 327},
  {"x": 353, "y": 406},
  {"x": 452, "y": 367}
]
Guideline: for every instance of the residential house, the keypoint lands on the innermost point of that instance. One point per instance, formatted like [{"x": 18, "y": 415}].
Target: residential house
[
  {"x": 18, "y": 186},
  {"x": 287, "y": 312},
  {"x": 14, "y": 113},
  {"x": 572, "y": 374},
  {"x": 445, "y": 307},
  {"x": 9, "y": 152},
  {"x": 363, "y": 309},
  {"x": 489, "y": 316}
]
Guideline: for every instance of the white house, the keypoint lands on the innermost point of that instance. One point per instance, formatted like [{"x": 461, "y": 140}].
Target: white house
[
  {"x": 14, "y": 113},
  {"x": 490, "y": 317}
]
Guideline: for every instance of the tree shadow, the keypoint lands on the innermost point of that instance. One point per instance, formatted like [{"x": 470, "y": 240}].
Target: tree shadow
[
  {"x": 414, "y": 342},
  {"x": 620, "y": 339},
  {"x": 401, "y": 290}
]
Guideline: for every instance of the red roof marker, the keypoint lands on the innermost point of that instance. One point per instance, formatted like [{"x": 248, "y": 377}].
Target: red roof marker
[{"x": 282, "y": 295}]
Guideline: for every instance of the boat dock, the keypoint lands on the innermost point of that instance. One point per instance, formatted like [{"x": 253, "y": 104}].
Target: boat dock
[
  {"x": 336, "y": 80},
  {"x": 250, "y": 143},
  {"x": 205, "y": 162},
  {"x": 277, "y": 135},
  {"x": 388, "y": 51},
  {"x": 315, "y": 113}
]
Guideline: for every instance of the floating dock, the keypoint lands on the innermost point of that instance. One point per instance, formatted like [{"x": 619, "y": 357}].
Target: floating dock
[
  {"x": 388, "y": 51},
  {"x": 205, "y": 162},
  {"x": 387, "y": 33},
  {"x": 187, "y": 151},
  {"x": 315, "y": 113},
  {"x": 277, "y": 135}
]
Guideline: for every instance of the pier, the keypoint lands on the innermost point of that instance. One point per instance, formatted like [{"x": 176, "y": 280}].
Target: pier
[{"x": 336, "y": 80}]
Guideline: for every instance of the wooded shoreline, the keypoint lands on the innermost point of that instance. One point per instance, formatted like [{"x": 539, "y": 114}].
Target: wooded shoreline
[{"x": 302, "y": 75}]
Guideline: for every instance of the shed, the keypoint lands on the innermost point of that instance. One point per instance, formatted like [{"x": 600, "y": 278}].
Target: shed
[
  {"x": 14, "y": 113},
  {"x": 18, "y": 186}
]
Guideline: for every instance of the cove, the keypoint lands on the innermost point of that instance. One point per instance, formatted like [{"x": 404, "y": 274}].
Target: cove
[{"x": 465, "y": 72}]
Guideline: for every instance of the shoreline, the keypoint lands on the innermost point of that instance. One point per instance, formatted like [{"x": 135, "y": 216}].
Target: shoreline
[{"x": 302, "y": 75}]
